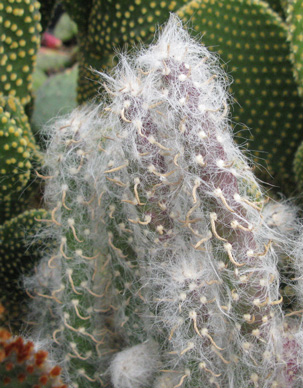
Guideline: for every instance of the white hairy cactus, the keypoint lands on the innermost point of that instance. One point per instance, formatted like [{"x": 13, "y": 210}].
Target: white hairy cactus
[
  {"x": 193, "y": 209},
  {"x": 162, "y": 238}
]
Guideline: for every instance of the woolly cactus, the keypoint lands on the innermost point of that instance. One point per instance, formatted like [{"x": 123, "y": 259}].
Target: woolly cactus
[
  {"x": 67, "y": 279},
  {"x": 20, "y": 40},
  {"x": 207, "y": 264},
  {"x": 162, "y": 237},
  {"x": 104, "y": 23},
  {"x": 251, "y": 38}
]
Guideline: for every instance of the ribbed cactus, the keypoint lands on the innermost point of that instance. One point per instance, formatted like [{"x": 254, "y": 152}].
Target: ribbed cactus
[{"x": 164, "y": 249}]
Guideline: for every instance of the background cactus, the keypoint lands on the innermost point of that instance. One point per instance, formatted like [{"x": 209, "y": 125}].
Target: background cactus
[
  {"x": 16, "y": 147},
  {"x": 57, "y": 96},
  {"x": 19, "y": 157},
  {"x": 295, "y": 22},
  {"x": 20, "y": 39},
  {"x": 18, "y": 256}
]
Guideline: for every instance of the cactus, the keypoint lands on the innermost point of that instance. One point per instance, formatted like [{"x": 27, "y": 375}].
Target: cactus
[
  {"x": 208, "y": 269},
  {"x": 18, "y": 149},
  {"x": 295, "y": 22},
  {"x": 298, "y": 166},
  {"x": 107, "y": 22},
  {"x": 20, "y": 40},
  {"x": 57, "y": 96},
  {"x": 18, "y": 257},
  {"x": 66, "y": 281},
  {"x": 263, "y": 84},
  {"x": 161, "y": 237},
  {"x": 268, "y": 100},
  {"x": 65, "y": 29}
]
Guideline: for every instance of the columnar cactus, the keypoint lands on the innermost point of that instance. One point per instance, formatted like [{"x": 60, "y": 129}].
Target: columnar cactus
[
  {"x": 161, "y": 240},
  {"x": 208, "y": 262},
  {"x": 66, "y": 280}
]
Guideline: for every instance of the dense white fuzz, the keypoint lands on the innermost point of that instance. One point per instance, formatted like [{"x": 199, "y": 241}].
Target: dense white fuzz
[{"x": 135, "y": 367}]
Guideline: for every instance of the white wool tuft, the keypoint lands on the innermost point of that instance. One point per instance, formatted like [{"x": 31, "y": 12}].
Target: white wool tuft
[{"x": 134, "y": 367}]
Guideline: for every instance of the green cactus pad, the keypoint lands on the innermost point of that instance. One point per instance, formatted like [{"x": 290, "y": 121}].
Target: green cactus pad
[
  {"x": 79, "y": 11},
  {"x": 18, "y": 149},
  {"x": 123, "y": 22},
  {"x": 298, "y": 166},
  {"x": 50, "y": 60},
  {"x": 57, "y": 96},
  {"x": 17, "y": 258},
  {"x": 18, "y": 202},
  {"x": 295, "y": 36},
  {"x": 277, "y": 6},
  {"x": 20, "y": 28},
  {"x": 66, "y": 28},
  {"x": 251, "y": 39}
]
